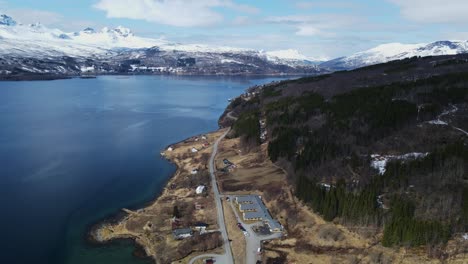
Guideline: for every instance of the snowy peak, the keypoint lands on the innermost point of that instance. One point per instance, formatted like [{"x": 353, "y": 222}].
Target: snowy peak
[
  {"x": 89, "y": 30},
  {"x": 113, "y": 49},
  {"x": 119, "y": 31},
  {"x": 288, "y": 54},
  {"x": 441, "y": 44},
  {"x": 110, "y": 39},
  {"x": 397, "y": 51},
  {"x": 122, "y": 31},
  {"x": 7, "y": 20}
]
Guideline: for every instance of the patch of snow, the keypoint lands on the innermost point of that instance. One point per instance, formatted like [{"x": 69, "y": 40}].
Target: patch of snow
[
  {"x": 87, "y": 69},
  {"x": 230, "y": 61},
  {"x": 379, "y": 162},
  {"x": 461, "y": 130},
  {"x": 289, "y": 54},
  {"x": 437, "y": 122}
]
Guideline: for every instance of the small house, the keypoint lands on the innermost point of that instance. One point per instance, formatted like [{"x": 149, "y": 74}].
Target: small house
[
  {"x": 200, "y": 226},
  {"x": 194, "y": 150},
  {"x": 194, "y": 171},
  {"x": 182, "y": 233},
  {"x": 170, "y": 149}
]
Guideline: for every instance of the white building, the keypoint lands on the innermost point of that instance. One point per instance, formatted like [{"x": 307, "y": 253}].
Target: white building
[{"x": 200, "y": 189}]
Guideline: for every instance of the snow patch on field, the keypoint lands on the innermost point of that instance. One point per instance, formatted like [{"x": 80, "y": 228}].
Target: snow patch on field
[
  {"x": 379, "y": 162},
  {"x": 438, "y": 122}
]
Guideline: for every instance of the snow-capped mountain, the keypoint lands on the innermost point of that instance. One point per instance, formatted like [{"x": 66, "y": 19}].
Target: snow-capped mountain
[
  {"x": 38, "y": 49},
  {"x": 396, "y": 51},
  {"x": 7, "y": 21},
  {"x": 292, "y": 56}
]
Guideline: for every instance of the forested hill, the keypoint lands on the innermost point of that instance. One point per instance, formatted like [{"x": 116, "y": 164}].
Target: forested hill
[{"x": 384, "y": 145}]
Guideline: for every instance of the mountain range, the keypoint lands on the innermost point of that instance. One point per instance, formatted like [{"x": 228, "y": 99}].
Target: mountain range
[
  {"x": 35, "y": 49},
  {"x": 396, "y": 51}
]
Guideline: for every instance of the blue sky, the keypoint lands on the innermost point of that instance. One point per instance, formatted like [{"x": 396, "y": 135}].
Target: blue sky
[{"x": 317, "y": 29}]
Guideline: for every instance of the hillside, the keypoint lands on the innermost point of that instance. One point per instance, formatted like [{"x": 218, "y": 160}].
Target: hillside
[{"x": 383, "y": 146}]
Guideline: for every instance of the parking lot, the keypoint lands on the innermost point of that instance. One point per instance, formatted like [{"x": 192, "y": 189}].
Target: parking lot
[{"x": 254, "y": 232}]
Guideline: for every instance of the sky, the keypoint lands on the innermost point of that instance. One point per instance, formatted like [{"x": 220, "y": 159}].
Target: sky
[{"x": 317, "y": 29}]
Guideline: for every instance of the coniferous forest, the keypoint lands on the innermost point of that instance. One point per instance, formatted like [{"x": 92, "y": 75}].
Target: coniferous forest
[{"x": 328, "y": 139}]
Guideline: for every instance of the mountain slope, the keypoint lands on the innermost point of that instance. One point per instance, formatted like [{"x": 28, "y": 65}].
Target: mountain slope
[
  {"x": 384, "y": 147},
  {"x": 36, "y": 49},
  {"x": 396, "y": 51}
]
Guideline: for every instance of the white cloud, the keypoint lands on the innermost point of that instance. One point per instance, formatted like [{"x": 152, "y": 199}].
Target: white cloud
[
  {"x": 180, "y": 13},
  {"x": 241, "y": 21},
  {"x": 307, "y": 30},
  {"x": 29, "y": 16},
  {"x": 323, "y": 25},
  {"x": 305, "y": 4},
  {"x": 50, "y": 19},
  {"x": 434, "y": 11},
  {"x": 327, "y": 4}
]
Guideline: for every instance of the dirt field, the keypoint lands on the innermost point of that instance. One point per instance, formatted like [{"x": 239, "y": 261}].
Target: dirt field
[{"x": 152, "y": 226}]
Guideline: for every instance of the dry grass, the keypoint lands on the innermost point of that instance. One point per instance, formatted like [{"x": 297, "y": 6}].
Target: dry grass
[
  {"x": 179, "y": 191},
  {"x": 309, "y": 238},
  {"x": 237, "y": 237},
  {"x": 254, "y": 172}
]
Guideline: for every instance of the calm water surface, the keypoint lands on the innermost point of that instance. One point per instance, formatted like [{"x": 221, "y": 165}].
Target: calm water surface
[{"x": 75, "y": 151}]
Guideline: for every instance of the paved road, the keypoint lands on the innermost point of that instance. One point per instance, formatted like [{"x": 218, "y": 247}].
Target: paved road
[
  {"x": 253, "y": 241},
  {"x": 227, "y": 257}
]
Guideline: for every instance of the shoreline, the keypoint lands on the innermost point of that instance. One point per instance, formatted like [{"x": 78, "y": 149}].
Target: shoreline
[
  {"x": 53, "y": 77},
  {"x": 92, "y": 235}
]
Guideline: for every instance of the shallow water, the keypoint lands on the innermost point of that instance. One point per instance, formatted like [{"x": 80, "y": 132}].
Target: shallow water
[{"x": 75, "y": 151}]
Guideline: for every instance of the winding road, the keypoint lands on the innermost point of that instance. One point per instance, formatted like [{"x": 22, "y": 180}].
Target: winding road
[
  {"x": 227, "y": 257},
  {"x": 229, "y": 115}
]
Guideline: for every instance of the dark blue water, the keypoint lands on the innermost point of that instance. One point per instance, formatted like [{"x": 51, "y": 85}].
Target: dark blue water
[{"x": 75, "y": 151}]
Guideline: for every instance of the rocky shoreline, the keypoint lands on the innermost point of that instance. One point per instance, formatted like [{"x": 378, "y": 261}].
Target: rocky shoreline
[{"x": 133, "y": 225}]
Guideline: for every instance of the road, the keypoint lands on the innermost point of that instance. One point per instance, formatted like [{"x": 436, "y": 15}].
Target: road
[
  {"x": 229, "y": 115},
  {"x": 227, "y": 257},
  {"x": 253, "y": 241}
]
